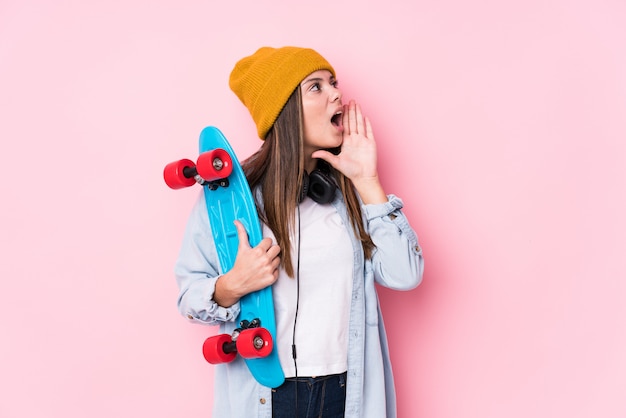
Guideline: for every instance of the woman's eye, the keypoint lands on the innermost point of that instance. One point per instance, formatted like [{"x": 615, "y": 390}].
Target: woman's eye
[
  {"x": 334, "y": 83},
  {"x": 315, "y": 86}
]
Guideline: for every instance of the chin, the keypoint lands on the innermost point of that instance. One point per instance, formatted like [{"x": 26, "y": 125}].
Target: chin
[{"x": 334, "y": 144}]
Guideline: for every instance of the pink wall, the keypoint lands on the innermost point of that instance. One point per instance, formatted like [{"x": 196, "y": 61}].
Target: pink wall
[{"x": 503, "y": 127}]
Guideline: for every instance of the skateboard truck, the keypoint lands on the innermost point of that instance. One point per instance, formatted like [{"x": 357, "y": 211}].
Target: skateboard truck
[{"x": 245, "y": 324}]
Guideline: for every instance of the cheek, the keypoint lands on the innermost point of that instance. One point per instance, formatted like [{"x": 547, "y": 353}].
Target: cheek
[
  {"x": 314, "y": 117},
  {"x": 308, "y": 125}
]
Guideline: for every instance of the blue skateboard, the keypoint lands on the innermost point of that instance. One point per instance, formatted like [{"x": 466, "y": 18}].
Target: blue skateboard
[{"x": 228, "y": 198}]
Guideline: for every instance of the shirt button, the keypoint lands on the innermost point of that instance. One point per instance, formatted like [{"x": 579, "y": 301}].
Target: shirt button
[
  {"x": 189, "y": 316},
  {"x": 262, "y": 400}
]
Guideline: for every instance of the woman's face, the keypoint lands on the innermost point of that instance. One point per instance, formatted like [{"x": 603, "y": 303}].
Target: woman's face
[{"x": 322, "y": 107}]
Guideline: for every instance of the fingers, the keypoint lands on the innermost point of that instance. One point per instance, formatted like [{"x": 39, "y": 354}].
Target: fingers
[
  {"x": 242, "y": 234},
  {"x": 255, "y": 267},
  {"x": 369, "y": 132},
  {"x": 350, "y": 118},
  {"x": 273, "y": 250},
  {"x": 353, "y": 119},
  {"x": 268, "y": 263},
  {"x": 269, "y": 259},
  {"x": 360, "y": 126},
  {"x": 265, "y": 245}
]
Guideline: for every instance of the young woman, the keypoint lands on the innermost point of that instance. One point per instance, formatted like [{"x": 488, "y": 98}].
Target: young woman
[{"x": 330, "y": 234}]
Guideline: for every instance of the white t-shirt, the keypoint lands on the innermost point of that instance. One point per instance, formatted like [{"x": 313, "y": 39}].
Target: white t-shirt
[{"x": 325, "y": 281}]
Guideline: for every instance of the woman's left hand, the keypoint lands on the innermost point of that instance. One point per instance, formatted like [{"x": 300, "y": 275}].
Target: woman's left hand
[{"x": 358, "y": 157}]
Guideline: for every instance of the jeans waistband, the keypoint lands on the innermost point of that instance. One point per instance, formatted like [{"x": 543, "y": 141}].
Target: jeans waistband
[{"x": 314, "y": 379}]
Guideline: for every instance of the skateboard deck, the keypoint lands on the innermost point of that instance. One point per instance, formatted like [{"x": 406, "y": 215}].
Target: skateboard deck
[{"x": 228, "y": 198}]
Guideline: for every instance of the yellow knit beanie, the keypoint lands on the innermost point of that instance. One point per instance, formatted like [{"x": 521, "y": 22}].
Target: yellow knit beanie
[{"x": 264, "y": 80}]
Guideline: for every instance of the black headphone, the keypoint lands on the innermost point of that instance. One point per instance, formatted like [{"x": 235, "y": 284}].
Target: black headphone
[{"x": 319, "y": 185}]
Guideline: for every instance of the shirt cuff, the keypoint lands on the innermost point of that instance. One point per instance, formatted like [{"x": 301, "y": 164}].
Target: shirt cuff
[
  {"x": 383, "y": 209},
  {"x": 221, "y": 314},
  {"x": 213, "y": 312}
]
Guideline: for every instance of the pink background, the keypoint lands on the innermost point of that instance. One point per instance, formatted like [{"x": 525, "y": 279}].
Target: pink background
[{"x": 502, "y": 125}]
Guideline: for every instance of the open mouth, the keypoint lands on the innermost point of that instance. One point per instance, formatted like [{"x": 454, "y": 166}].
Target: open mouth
[{"x": 336, "y": 120}]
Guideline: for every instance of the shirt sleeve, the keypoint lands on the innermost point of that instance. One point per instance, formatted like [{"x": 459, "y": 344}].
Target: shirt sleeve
[
  {"x": 197, "y": 270},
  {"x": 397, "y": 259}
]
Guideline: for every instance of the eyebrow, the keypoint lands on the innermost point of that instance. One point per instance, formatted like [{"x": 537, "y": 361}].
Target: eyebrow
[{"x": 311, "y": 80}]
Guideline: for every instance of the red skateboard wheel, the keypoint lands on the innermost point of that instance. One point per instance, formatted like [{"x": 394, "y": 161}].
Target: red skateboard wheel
[
  {"x": 254, "y": 343},
  {"x": 174, "y": 176},
  {"x": 213, "y": 349},
  {"x": 215, "y": 164}
]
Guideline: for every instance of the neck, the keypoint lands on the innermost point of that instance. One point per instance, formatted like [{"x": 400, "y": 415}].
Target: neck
[{"x": 310, "y": 165}]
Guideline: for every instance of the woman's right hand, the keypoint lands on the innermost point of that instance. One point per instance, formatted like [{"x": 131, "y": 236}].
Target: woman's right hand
[
  {"x": 357, "y": 159},
  {"x": 255, "y": 268}
]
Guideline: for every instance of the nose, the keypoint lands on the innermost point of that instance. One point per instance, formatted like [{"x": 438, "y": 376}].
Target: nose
[{"x": 336, "y": 95}]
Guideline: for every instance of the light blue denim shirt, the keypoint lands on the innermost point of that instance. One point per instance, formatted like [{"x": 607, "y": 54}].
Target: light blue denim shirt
[{"x": 396, "y": 263}]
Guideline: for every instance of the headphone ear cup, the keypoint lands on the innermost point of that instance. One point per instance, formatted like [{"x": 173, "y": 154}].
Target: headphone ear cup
[{"x": 320, "y": 187}]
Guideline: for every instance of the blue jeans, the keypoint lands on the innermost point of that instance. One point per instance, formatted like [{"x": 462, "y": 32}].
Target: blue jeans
[{"x": 310, "y": 397}]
